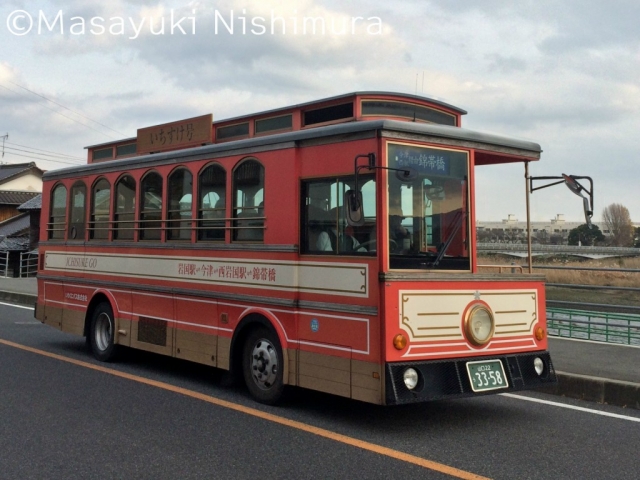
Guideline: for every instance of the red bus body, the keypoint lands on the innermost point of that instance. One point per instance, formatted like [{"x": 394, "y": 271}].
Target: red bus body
[{"x": 347, "y": 324}]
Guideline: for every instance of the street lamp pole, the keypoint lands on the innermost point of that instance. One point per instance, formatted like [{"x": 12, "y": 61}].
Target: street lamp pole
[{"x": 526, "y": 182}]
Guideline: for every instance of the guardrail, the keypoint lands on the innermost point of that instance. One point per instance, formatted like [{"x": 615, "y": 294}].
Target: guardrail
[
  {"x": 28, "y": 264},
  {"x": 608, "y": 327},
  {"x": 4, "y": 264},
  {"x": 522, "y": 247}
]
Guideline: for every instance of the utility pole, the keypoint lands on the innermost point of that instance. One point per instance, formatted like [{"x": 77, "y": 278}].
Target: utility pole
[{"x": 4, "y": 137}]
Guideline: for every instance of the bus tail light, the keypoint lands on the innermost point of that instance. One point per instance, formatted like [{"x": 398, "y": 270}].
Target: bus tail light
[{"x": 399, "y": 341}]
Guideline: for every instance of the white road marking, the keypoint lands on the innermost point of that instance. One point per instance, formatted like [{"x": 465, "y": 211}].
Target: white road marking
[
  {"x": 17, "y": 306},
  {"x": 571, "y": 407}
]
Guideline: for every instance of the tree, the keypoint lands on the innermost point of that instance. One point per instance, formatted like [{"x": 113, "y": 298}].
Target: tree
[
  {"x": 542, "y": 236},
  {"x": 585, "y": 235},
  {"x": 617, "y": 220}
]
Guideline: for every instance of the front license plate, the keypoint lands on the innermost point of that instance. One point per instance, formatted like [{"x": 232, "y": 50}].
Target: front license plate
[{"x": 487, "y": 375}]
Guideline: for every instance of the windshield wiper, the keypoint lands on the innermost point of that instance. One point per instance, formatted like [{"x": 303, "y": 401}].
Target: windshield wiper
[{"x": 442, "y": 248}]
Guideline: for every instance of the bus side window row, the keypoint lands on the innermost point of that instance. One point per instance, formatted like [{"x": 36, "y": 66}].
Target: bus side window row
[{"x": 115, "y": 215}]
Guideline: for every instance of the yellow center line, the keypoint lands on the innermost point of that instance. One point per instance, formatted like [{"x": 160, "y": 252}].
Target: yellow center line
[{"x": 372, "y": 447}]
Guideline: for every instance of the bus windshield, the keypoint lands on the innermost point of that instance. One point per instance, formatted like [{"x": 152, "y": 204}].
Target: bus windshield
[{"x": 428, "y": 209}]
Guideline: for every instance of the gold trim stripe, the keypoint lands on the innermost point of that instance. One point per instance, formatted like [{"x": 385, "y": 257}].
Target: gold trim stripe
[{"x": 437, "y": 328}]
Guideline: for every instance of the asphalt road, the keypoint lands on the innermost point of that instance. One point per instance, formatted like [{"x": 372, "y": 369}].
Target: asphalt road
[{"x": 68, "y": 416}]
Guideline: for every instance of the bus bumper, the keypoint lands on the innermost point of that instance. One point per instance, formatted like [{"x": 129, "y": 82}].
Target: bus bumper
[{"x": 449, "y": 378}]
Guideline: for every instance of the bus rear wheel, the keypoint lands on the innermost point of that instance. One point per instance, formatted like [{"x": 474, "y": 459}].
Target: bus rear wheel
[
  {"x": 102, "y": 333},
  {"x": 262, "y": 366}
]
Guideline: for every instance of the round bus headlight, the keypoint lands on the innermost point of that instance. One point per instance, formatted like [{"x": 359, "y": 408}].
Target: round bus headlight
[
  {"x": 479, "y": 325},
  {"x": 410, "y": 377},
  {"x": 538, "y": 364}
]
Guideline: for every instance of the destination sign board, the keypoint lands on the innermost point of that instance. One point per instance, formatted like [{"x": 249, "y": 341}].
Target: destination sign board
[{"x": 190, "y": 132}]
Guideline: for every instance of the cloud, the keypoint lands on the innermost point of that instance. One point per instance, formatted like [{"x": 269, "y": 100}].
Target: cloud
[{"x": 565, "y": 75}]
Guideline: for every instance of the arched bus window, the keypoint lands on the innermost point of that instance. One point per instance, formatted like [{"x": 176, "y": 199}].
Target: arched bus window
[
  {"x": 248, "y": 201},
  {"x": 151, "y": 206},
  {"x": 179, "y": 205},
  {"x": 77, "y": 214},
  {"x": 57, "y": 213},
  {"x": 101, "y": 200},
  {"x": 125, "y": 207},
  {"x": 212, "y": 190}
]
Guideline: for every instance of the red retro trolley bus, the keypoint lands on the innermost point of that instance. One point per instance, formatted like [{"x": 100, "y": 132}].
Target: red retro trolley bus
[{"x": 328, "y": 245}]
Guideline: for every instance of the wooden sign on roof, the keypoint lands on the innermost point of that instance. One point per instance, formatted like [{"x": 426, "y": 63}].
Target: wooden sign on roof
[{"x": 190, "y": 132}]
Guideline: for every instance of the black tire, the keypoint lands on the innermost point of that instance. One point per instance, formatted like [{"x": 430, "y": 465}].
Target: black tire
[
  {"x": 263, "y": 366},
  {"x": 102, "y": 333}
]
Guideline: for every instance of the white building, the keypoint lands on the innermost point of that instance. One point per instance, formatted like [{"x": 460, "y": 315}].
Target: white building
[{"x": 510, "y": 229}]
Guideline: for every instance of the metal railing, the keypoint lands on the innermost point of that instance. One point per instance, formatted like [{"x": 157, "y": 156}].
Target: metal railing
[
  {"x": 28, "y": 264},
  {"x": 4, "y": 264},
  {"x": 599, "y": 326},
  {"x": 522, "y": 247}
]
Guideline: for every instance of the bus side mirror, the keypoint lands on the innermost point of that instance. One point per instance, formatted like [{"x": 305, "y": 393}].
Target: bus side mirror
[
  {"x": 354, "y": 210},
  {"x": 572, "y": 183}
]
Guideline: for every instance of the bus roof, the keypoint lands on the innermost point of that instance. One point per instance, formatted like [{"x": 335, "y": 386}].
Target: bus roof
[{"x": 490, "y": 148}]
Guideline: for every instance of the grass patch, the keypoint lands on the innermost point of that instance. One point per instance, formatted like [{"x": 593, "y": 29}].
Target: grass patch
[{"x": 581, "y": 277}]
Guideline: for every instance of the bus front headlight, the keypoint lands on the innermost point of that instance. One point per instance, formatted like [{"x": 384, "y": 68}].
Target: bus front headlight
[
  {"x": 479, "y": 325},
  {"x": 410, "y": 377}
]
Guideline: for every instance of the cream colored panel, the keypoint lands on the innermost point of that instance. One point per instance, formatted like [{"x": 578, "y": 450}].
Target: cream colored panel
[
  {"x": 292, "y": 376},
  {"x": 52, "y": 316},
  {"x": 344, "y": 279},
  {"x": 73, "y": 321},
  {"x": 123, "y": 336},
  {"x": 324, "y": 373},
  {"x": 430, "y": 316},
  {"x": 437, "y": 315},
  {"x": 515, "y": 312},
  {"x": 196, "y": 347},
  {"x": 224, "y": 349},
  {"x": 364, "y": 386}
]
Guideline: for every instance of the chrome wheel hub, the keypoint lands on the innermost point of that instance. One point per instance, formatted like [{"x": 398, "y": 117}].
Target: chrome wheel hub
[
  {"x": 264, "y": 364},
  {"x": 103, "y": 331}
]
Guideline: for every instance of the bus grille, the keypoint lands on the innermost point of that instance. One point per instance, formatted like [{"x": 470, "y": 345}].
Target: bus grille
[
  {"x": 449, "y": 379},
  {"x": 152, "y": 330}
]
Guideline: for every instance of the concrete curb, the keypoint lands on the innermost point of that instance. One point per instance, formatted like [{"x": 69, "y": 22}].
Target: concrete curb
[
  {"x": 596, "y": 389},
  {"x": 25, "y": 299}
]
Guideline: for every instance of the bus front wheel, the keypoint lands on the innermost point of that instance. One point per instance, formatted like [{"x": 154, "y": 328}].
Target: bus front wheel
[
  {"x": 102, "y": 333},
  {"x": 262, "y": 366}
]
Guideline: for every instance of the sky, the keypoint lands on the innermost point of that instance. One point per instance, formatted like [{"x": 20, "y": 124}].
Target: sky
[{"x": 563, "y": 74}]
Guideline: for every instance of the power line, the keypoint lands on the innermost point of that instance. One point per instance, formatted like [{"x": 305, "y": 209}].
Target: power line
[
  {"x": 43, "y": 159},
  {"x": 44, "y": 151},
  {"x": 61, "y": 114},
  {"x": 66, "y": 108},
  {"x": 44, "y": 155}
]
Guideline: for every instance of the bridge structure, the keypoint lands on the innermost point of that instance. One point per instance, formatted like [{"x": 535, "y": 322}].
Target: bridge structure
[{"x": 520, "y": 250}]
